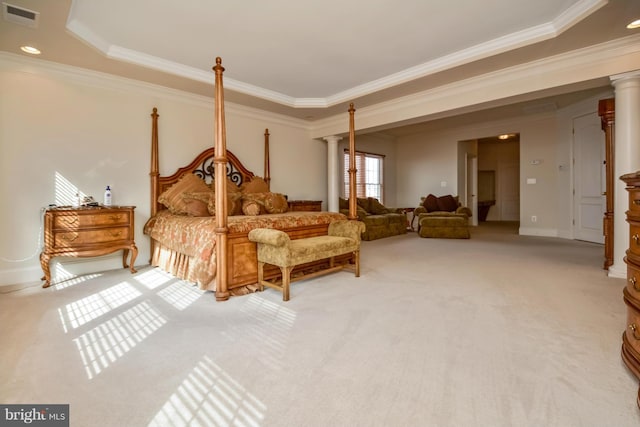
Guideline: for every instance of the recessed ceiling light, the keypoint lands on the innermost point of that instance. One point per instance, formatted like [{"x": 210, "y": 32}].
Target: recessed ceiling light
[
  {"x": 634, "y": 24},
  {"x": 504, "y": 136},
  {"x": 30, "y": 49}
]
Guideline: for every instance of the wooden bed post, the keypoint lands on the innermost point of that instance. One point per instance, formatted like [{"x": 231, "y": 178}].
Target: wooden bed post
[
  {"x": 220, "y": 182},
  {"x": 267, "y": 176},
  {"x": 155, "y": 169},
  {"x": 352, "y": 165},
  {"x": 155, "y": 173}
]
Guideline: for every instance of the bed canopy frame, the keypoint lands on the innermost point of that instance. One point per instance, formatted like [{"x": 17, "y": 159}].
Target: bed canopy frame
[{"x": 219, "y": 164}]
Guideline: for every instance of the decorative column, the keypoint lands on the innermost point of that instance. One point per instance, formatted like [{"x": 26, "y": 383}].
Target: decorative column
[
  {"x": 627, "y": 159},
  {"x": 333, "y": 173}
]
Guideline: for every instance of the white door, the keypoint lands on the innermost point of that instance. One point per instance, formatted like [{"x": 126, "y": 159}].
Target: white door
[{"x": 589, "y": 179}]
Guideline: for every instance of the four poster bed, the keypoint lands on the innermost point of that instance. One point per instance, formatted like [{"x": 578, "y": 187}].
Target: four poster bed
[{"x": 212, "y": 249}]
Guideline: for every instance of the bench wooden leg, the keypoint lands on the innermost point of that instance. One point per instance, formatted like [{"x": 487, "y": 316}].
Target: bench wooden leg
[
  {"x": 286, "y": 282},
  {"x": 357, "y": 256},
  {"x": 260, "y": 276}
]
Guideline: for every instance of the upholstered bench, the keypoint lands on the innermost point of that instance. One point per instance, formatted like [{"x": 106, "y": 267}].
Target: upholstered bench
[
  {"x": 444, "y": 226},
  {"x": 276, "y": 248}
]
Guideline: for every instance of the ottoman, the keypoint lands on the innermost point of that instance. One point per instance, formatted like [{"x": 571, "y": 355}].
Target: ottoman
[{"x": 452, "y": 226}]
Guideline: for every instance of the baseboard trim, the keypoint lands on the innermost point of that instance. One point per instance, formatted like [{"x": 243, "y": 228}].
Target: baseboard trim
[{"x": 540, "y": 232}]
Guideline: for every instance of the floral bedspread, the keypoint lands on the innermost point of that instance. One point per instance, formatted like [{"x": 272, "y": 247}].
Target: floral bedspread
[{"x": 186, "y": 245}]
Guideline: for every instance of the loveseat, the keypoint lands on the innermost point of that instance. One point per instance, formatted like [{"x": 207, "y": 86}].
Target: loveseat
[{"x": 379, "y": 220}]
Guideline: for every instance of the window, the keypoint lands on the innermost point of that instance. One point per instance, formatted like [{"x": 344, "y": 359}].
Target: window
[{"x": 369, "y": 175}]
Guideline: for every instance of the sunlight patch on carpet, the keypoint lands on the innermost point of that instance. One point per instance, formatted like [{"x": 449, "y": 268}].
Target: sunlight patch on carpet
[
  {"x": 65, "y": 279},
  {"x": 181, "y": 294},
  {"x": 106, "y": 343},
  {"x": 154, "y": 278},
  {"x": 209, "y": 396},
  {"x": 268, "y": 333},
  {"x": 84, "y": 310}
]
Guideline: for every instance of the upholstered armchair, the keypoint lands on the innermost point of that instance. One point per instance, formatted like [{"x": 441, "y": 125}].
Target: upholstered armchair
[
  {"x": 441, "y": 205},
  {"x": 442, "y": 216}
]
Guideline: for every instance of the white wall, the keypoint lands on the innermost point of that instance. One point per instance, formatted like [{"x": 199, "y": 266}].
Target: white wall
[
  {"x": 428, "y": 159},
  {"x": 94, "y": 130}
]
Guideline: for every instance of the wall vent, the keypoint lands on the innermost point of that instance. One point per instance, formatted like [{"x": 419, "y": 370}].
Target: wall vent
[{"x": 20, "y": 15}]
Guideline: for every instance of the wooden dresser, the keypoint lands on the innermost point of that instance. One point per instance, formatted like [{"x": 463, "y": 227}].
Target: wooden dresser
[
  {"x": 305, "y": 205},
  {"x": 87, "y": 232},
  {"x": 631, "y": 292}
]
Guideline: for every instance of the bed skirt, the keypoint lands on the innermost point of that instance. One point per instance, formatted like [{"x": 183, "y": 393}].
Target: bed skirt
[{"x": 184, "y": 267}]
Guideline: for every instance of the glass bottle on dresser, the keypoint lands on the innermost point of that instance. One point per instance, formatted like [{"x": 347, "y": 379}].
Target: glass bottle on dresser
[{"x": 107, "y": 196}]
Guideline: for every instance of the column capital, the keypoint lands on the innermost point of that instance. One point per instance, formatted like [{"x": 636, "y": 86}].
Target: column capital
[
  {"x": 332, "y": 138},
  {"x": 624, "y": 77}
]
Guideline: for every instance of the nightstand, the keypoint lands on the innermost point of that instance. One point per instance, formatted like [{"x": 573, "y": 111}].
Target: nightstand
[
  {"x": 87, "y": 232},
  {"x": 305, "y": 205}
]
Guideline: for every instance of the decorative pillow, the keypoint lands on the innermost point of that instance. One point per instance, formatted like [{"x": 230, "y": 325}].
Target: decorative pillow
[
  {"x": 376, "y": 207},
  {"x": 275, "y": 203},
  {"x": 234, "y": 204},
  {"x": 234, "y": 196},
  {"x": 253, "y": 203},
  {"x": 251, "y": 207},
  {"x": 256, "y": 185},
  {"x": 447, "y": 203},
  {"x": 172, "y": 197},
  {"x": 430, "y": 203},
  {"x": 197, "y": 203},
  {"x": 363, "y": 202},
  {"x": 361, "y": 213}
]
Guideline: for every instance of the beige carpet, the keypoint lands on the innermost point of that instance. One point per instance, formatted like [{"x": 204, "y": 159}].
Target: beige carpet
[{"x": 498, "y": 330}]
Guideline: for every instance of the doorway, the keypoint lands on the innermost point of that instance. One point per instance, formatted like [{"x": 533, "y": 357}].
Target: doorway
[
  {"x": 489, "y": 177},
  {"x": 499, "y": 178}
]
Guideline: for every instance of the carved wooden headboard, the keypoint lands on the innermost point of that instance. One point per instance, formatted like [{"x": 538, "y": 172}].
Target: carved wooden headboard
[{"x": 203, "y": 166}]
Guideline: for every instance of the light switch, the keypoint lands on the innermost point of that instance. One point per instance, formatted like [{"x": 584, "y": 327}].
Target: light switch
[
  {"x": 443, "y": 183},
  {"x": 531, "y": 180}
]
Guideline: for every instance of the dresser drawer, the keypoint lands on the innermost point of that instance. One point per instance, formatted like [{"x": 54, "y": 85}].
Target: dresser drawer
[
  {"x": 634, "y": 201},
  {"x": 87, "y": 237},
  {"x": 634, "y": 239},
  {"x": 633, "y": 280},
  {"x": 633, "y": 320},
  {"x": 93, "y": 219}
]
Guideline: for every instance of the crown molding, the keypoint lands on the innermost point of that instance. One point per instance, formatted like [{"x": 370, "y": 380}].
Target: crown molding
[
  {"x": 575, "y": 66},
  {"x": 565, "y": 20},
  {"x": 20, "y": 63}
]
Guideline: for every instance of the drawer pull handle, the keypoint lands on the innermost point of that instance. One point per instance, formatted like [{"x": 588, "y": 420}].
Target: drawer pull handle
[
  {"x": 115, "y": 217},
  {"x": 635, "y": 238},
  {"x": 634, "y": 283},
  {"x": 70, "y": 220},
  {"x": 634, "y": 329},
  {"x": 636, "y": 202},
  {"x": 116, "y": 233},
  {"x": 69, "y": 237}
]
